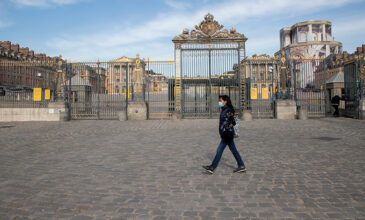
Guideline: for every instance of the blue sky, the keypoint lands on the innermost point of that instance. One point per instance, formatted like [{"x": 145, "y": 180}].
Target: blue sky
[{"x": 91, "y": 29}]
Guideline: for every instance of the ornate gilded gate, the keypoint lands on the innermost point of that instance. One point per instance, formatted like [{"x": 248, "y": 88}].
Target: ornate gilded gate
[{"x": 207, "y": 65}]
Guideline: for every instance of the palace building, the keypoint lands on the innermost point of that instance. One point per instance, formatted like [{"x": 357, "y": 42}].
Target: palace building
[{"x": 22, "y": 69}]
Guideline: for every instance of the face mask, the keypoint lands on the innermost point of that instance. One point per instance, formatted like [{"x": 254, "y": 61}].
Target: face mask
[{"x": 220, "y": 104}]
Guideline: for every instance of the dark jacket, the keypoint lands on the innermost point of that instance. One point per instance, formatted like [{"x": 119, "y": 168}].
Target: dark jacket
[
  {"x": 226, "y": 123},
  {"x": 335, "y": 100}
]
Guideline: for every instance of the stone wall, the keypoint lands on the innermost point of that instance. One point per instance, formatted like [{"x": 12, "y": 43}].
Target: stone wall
[{"x": 54, "y": 112}]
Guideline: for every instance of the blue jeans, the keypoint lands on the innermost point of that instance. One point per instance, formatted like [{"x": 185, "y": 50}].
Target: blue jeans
[{"x": 233, "y": 149}]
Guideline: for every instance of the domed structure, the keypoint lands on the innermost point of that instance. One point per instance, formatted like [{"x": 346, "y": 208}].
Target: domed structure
[{"x": 309, "y": 39}]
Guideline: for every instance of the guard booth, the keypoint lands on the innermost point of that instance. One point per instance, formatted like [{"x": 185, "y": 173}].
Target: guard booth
[
  {"x": 207, "y": 62},
  {"x": 80, "y": 96}
]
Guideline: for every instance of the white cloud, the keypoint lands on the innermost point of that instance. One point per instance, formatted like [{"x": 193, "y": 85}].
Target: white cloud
[
  {"x": 350, "y": 32},
  {"x": 177, "y": 4},
  {"x": 347, "y": 27},
  {"x": 4, "y": 24},
  {"x": 263, "y": 45},
  {"x": 43, "y": 3},
  {"x": 166, "y": 25}
]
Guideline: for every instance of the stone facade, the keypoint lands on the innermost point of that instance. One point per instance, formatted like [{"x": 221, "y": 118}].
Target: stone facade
[
  {"x": 21, "y": 68},
  {"x": 116, "y": 76},
  {"x": 309, "y": 39},
  {"x": 10, "y": 51}
]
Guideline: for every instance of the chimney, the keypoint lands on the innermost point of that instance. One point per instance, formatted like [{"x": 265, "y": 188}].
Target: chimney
[
  {"x": 358, "y": 49},
  {"x": 15, "y": 47},
  {"x": 31, "y": 53},
  {"x": 6, "y": 44},
  {"x": 24, "y": 50},
  {"x": 41, "y": 55}
]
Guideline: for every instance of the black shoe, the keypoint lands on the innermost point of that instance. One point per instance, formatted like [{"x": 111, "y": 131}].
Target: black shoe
[
  {"x": 239, "y": 170},
  {"x": 209, "y": 169}
]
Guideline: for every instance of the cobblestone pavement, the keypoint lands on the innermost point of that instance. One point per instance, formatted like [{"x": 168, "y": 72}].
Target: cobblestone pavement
[{"x": 83, "y": 170}]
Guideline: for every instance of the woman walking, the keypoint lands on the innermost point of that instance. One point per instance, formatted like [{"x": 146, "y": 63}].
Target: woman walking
[{"x": 226, "y": 131}]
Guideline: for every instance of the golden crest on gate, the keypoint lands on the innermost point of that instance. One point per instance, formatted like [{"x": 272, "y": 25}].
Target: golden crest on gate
[
  {"x": 138, "y": 61},
  {"x": 209, "y": 26},
  {"x": 283, "y": 60}
]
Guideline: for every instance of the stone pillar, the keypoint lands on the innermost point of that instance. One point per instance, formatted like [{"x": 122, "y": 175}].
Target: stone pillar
[
  {"x": 310, "y": 33},
  {"x": 303, "y": 114},
  {"x": 137, "y": 111},
  {"x": 59, "y": 108},
  {"x": 247, "y": 115},
  {"x": 362, "y": 109},
  {"x": 285, "y": 109}
]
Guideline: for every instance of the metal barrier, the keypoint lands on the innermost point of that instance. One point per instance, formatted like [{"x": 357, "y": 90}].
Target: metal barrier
[
  {"x": 261, "y": 81},
  {"x": 102, "y": 89},
  {"x": 309, "y": 85},
  {"x": 160, "y": 74},
  {"x": 267, "y": 79}
]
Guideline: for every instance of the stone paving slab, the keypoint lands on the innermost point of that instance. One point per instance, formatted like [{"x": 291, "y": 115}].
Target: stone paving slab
[{"x": 88, "y": 170}]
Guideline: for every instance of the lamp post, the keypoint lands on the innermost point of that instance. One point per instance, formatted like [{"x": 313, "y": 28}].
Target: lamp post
[{"x": 39, "y": 75}]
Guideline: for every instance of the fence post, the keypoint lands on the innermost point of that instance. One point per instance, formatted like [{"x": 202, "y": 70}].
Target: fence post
[
  {"x": 127, "y": 90},
  {"x": 239, "y": 85},
  {"x": 98, "y": 90},
  {"x": 210, "y": 86},
  {"x": 69, "y": 69},
  {"x": 325, "y": 86},
  {"x": 148, "y": 86},
  {"x": 295, "y": 80}
]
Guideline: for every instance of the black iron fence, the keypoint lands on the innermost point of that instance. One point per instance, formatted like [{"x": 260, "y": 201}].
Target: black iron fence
[
  {"x": 160, "y": 78},
  {"x": 102, "y": 89},
  {"x": 354, "y": 79},
  {"x": 267, "y": 79},
  {"x": 261, "y": 76},
  {"x": 209, "y": 70}
]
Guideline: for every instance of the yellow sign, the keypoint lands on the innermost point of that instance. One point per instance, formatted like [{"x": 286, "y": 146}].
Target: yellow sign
[
  {"x": 253, "y": 93},
  {"x": 60, "y": 63},
  {"x": 283, "y": 59},
  {"x": 272, "y": 90},
  {"x": 37, "y": 94},
  {"x": 125, "y": 94},
  {"x": 47, "y": 94},
  {"x": 265, "y": 93}
]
